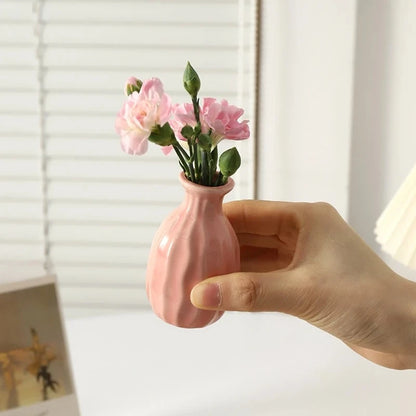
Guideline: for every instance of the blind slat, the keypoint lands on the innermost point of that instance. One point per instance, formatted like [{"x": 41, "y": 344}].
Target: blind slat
[
  {"x": 20, "y": 167},
  {"x": 99, "y": 212},
  {"x": 148, "y": 59},
  {"x": 20, "y": 104},
  {"x": 96, "y": 254},
  {"x": 11, "y": 251},
  {"x": 24, "y": 189},
  {"x": 132, "y": 168},
  {"x": 105, "y": 297},
  {"x": 110, "y": 192},
  {"x": 12, "y": 10},
  {"x": 13, "y": 210},
  {"x": 23, "y": 146},
  {"x": 19, "y": 123},
  {"x": 21, "y": 232},
  {"x": 111, "y": 81},
  {"x": 15, "y": 33},
  {"x": 90, "y": 233},
  {"x": 17, "y": 56},
  {"x": 73, "y": 275},
  {"x": 170, "y": 12},
  {"x": 134, "y": 36},
  {"x": 24, "y": 80},
  {"x": 65, "y": 104}
]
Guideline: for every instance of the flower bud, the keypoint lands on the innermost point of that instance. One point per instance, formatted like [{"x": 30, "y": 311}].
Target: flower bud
[
  {"x": 229, "y": 162},
  {"x": 191, "y": 81},
  {"x": 205, "y": 141},
  {"x": 131, "y": 85},
  {"x": 187, "y": 131},
  {"x": 162, "y": 135}
]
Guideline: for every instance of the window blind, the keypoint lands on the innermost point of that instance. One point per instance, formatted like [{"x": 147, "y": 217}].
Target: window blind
[
  {"x": 21, "y": 209},
  {"x": 67, "y": 190}
]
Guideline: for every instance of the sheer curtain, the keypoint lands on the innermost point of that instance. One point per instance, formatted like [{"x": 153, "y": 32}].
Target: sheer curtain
[
  {"x": 337, "y": 121},
  {"x": 70, "y": 199}
]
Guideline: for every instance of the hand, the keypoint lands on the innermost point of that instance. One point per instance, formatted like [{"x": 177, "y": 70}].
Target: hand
[{"x": 304, "y": 260}]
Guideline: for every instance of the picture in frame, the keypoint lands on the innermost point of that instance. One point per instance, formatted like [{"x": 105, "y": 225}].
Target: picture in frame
[{"x": 35, "y": 372}]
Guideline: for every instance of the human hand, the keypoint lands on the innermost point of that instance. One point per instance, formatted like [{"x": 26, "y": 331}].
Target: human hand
[{"x": 303, "y": 259}]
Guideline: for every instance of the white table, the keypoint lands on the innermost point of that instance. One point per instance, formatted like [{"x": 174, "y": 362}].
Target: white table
[{"x": 242, "y": 365}]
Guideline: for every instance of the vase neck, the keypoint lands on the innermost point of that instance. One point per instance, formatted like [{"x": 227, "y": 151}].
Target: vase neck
[{"x": 205, "y": 198}]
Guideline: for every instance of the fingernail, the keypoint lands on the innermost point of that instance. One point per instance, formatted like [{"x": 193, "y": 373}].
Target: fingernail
[{"x": 206, "y": 295}]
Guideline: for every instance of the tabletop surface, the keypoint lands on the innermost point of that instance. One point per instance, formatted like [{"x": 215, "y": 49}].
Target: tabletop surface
[{"x": 244, "y": 364}]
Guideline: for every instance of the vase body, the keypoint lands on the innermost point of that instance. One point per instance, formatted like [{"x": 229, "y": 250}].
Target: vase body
[{"x": 194, "y": 242}]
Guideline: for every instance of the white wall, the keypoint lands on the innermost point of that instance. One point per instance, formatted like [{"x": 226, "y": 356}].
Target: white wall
[
  {"x": 337, "y": 105},
  {"x": 306, "y": 78},
  {"x": 383, "y": 148}
]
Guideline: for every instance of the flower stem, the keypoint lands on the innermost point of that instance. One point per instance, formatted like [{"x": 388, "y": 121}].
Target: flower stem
[
  {"x": 196, "y": 162},
  {"x": 211, "y": 168},
  {"x": 195, "y": 103},
  {"x": 190, "y": 159},
  {"x": 221, "y": 179},
  {"x": 183, "y": 162},
  {"x": 204, "y": 168}
]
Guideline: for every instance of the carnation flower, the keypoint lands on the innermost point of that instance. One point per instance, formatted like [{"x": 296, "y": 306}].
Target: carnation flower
[
  {"x": 140, "y": 114},
  {"x": 148, "y": 115},
  {"x": 217, "y": 118}
]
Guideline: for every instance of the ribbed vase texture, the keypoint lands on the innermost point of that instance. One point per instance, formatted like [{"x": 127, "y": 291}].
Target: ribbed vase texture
[{"x": 194, "y": 242}]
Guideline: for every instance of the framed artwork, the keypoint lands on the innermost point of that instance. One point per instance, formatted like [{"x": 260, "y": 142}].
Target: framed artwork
[{"x": 35, "y": 371}]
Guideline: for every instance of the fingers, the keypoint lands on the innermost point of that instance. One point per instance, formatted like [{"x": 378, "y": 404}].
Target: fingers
[
  {"x": 256, "y": 240},
  {"x": 260, "y": 259},
  {"x": 267, "y": 233},
  {"x": 251, "y": 292},
  {"x": 265, "y": 218}
]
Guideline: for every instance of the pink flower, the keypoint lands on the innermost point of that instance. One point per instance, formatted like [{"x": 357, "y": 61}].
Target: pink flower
[
  {"x": 219, "y": 117},
  {"x": 182, "y": 114},
  {"x": 222, "y": 118},
  {"x": 140, "y": 113}
]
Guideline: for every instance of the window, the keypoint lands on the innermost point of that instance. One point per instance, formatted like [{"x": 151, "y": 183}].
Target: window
[{"x": 68, "y": 195}]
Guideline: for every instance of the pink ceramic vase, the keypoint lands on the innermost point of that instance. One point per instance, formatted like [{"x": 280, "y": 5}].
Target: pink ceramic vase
[{"x": 194, "y": 242}]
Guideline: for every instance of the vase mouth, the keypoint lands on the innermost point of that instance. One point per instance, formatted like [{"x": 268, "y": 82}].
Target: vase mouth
[{"x": 195, "y": 187}]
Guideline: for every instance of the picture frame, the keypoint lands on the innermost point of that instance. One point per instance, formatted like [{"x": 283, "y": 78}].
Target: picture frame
[{"x": 35, "y": 371}]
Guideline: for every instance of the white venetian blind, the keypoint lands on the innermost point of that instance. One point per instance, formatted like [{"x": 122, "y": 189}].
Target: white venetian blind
[
  {"x": 66, "y": 188},
  {"x": 21, "y": 208}
]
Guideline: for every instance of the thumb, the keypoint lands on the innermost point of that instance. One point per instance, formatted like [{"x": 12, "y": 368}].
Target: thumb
[{"x": 246, "y": 291}]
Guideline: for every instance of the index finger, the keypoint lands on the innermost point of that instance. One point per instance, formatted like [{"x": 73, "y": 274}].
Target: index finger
[{"x": 267, "y": 218}]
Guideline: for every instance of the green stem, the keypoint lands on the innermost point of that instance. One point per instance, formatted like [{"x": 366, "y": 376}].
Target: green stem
[
  {"x": 191, "y": 160},
  {"x": 192, "y": 172},
  {"x": 191, "y": 149},
  {"x": 185, "y": 166},
  {"x": 204, "y": 167},
  {"x": 210, "y": 163},
  {"x": 218, "y": 182},
  {"x": 195, "y": 103},
  {"x": 182, "y": 150},
  {"x": 196, "y": 162}
]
